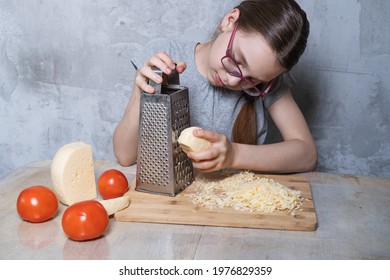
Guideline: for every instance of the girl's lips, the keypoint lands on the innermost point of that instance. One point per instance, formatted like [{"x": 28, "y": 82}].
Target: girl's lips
[{"x": 217, "y": 80}]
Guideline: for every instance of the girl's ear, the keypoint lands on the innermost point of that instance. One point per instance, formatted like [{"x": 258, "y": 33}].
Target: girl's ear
[{"x": 229, "y": 19}]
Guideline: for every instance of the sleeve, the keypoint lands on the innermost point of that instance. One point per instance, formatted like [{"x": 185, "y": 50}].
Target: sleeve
[{"x": 279, "y": 87}]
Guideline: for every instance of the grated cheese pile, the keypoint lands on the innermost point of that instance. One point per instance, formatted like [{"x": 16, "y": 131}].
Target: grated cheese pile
[{"x": 246, "y": 192}]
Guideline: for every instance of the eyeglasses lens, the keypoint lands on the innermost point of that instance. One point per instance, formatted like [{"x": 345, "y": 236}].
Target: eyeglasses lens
[{"x": 231, "y": 67}]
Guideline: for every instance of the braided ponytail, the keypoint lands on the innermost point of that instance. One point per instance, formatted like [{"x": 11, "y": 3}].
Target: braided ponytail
[{"x": 245, "y": 126}]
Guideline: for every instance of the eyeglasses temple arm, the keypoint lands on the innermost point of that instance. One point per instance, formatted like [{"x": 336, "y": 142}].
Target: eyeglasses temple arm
[{"x": 229, "y": 47}]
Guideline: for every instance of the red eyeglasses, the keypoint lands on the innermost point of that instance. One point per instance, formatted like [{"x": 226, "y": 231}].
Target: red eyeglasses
[{"x": 231, "y": 66}]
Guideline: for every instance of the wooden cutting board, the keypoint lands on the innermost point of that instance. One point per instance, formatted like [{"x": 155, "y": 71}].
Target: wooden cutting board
[{"x": 154, "y": 208}]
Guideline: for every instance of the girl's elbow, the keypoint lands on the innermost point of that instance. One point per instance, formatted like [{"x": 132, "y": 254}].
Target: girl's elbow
[
  {"x": 311, "y": 162},
  {"x": 124, "y": 161}
]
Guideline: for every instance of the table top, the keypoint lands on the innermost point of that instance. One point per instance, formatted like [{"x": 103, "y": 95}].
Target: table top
[{"x": 353, "y": 215}]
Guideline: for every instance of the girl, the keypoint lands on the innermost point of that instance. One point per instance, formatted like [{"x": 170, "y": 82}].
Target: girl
[{"x": 236, "y": 80}]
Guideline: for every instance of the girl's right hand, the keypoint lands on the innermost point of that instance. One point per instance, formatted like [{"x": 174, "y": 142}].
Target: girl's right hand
[{"x": 161, "y": 61}]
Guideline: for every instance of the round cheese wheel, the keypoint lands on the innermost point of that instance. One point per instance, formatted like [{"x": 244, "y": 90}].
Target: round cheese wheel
[
  {"x": 191, "y": 143},
  {"x": 72, "y": 173}
]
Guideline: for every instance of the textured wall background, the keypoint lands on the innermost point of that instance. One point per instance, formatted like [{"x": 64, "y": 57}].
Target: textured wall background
[{"x": 65, "y": 74}]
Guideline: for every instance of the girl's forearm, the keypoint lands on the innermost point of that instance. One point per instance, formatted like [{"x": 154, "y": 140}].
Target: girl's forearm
[
  {"x": 285, "y": 157},
  {"x": 125, "y": 137}
]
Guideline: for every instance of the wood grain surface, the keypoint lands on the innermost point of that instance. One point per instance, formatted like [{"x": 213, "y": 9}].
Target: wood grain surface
[{"x": 154, "y": 208}]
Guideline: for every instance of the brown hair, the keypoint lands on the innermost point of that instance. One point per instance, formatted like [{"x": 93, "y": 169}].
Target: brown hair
[{"x": 285, "y": 27}]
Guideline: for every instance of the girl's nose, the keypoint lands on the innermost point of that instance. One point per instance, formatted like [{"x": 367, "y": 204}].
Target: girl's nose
[{"x": 233, "y": 81}]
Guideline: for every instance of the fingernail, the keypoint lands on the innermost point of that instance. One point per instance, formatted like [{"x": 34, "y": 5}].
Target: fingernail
[{"x": 168, "y": 71}]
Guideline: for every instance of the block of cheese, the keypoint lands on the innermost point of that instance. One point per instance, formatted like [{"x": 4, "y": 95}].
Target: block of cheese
[
  {"x": 114, "y": 205},
  {"x": 190, "y": 143},
  {"x": 72, "y": 173}
]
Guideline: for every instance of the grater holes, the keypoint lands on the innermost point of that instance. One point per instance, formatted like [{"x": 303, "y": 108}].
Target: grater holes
[
  {"x": 153, "y": 159},
  {"x": 158, "y": 112},
  {"x": 181, "y": 121}
]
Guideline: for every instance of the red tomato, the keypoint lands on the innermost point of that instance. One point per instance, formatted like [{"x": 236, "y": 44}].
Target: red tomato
[
  {"x": 37, "y": 204},
  {"x": 85, "y": 220},
  {"x": 112, "y": 183}
]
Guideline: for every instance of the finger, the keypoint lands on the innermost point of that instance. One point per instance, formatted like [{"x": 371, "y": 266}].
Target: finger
[
  {"x": 148, "y": 73},
  {"x": 202, "y": 156},
  {"x": 206, "y": 134},
  {"x": 163, "y": 62},
  {"x": 180, "y": 67},
  {"x": 206, "y": 166},
  {"x": 167, "y": 59},
  {"x": 141, "y": 82}
]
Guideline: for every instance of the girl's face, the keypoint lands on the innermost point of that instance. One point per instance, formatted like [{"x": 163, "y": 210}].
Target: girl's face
[{"x": 256, "y": 59}]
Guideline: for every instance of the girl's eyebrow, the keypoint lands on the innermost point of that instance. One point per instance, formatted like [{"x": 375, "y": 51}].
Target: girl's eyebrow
[{"x": 242, "y": 58}]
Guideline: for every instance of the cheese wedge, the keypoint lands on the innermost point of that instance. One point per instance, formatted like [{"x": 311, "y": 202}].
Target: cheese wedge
[
  {"x": 114, "y": 205},
  {"x": 190, "y": 143},
  {"x": 72, "y": 173}
]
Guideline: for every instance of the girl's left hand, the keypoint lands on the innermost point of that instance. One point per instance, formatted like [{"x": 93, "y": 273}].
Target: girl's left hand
[{"x": 220, "y": 156}]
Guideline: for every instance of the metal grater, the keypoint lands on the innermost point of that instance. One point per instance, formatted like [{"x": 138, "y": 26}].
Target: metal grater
[{"x": 162, "y": 166}]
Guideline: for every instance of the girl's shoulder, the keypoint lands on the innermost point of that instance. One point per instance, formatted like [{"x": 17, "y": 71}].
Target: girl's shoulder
[{"x": 279, "y": 87}]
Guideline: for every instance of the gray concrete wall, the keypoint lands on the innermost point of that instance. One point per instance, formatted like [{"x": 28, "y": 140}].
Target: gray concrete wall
[{"x": 65, "y": 74}]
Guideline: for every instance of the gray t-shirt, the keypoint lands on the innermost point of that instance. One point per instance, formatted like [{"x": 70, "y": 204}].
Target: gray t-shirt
[{"x": 213, "y": 108}]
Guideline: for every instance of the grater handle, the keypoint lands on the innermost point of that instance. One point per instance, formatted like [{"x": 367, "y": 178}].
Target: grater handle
[
  {"x": 172, "y": 79},
  {"x": 157, "y": 87}
]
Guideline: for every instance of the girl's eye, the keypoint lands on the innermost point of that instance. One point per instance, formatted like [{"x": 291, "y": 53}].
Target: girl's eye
[
  {"x": 236, "y": 60},
  {"x": 253, "y": 80}
]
